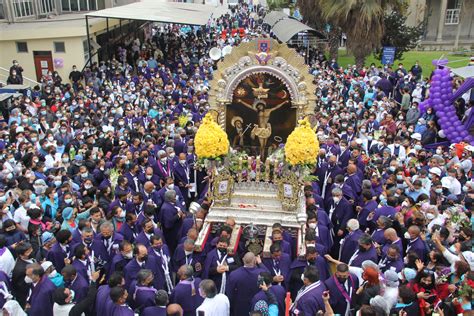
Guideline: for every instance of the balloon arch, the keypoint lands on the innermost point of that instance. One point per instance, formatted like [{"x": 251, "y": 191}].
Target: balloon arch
[{"x": 441, "y": 99}]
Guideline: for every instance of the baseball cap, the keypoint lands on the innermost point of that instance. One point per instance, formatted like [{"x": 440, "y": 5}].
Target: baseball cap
[
  {"x": 436, "y": 171},
  {"x": 47, "y": 236}
]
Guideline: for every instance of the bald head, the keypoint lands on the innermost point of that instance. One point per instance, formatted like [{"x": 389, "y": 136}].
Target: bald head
[
  {"x": 249, "y": 260},
  {"x": 351, "y": 169},
  {"x": 148, "y": 186},
  {"x": 390, "y": 234},
  {"x": 174, "y": 309}
]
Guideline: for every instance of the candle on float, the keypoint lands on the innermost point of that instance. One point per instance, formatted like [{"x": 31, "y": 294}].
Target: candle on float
[
  {"x": 250, "y": 163},
  {"x": 257, "y": 169},
  {"x": 240, "y": 163},
  {"x": 267, "y": 169}
]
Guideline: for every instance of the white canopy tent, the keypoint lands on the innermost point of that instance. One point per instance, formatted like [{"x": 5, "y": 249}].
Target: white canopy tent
[{"x": 161, "y": 11}]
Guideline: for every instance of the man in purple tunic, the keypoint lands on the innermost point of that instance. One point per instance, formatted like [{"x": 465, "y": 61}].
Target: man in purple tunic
[
  {"x": 312, "y": 258},
  {"x": 171, "y": 219},
  {"x": 141, "y": 261},
  {"x": 159, "y": 309},
  {"x": 265, "y": 280},
  {"x": 365, "y": 252},
  {"x": 322, "y": 233},
  {"x": 160, "y": 252},
  {"x": 186, "y": 292},
  {"x": 309, "y": 299},
  {"x": 141, "y": 291},
  {"x": 61, "y": 249},
  {"x": 242, "y": 284},
  {"x": 342, "y": 286},
  {"x": 185, "y": 255},
  {"x": 148, "y": 230},
  {"x": 416, "y": 244},
  {"x": 120, "y": 260},
  {"x": 340, "y": 211},
  {"x": 279, "y": 265},
  {"x": 350, "y": 243},
  {"x": 40, "y": 301},
  {"x": 219, "y": 264},
  {"x": 103, "y": 300},
  {"x": 392, "y": 260},
  {"x": 367, "y": 206},
  {"x": 169, "y": 186},
  {"x": 182, "y": 173},
  {"x": 119, "y": 296},
  {"x": 97, "y": 250},
  {"x": 130, "y": 230},
  {"x": 75, "y": 281}
]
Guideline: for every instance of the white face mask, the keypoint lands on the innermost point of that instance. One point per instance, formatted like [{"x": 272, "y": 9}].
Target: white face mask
[
  {"x": 406, "y": 235},
  {"x": 28, "y": 280},
  {"x": 129, "y": 255},
  {"x": 53, "y": 274},
  {"x": 148, "y": 177},
  {"x": 312, "y": 225},
  {"x": 187, "y": 253},
  {"x": 171, "y": 186},
  {"x": 430, "y": 216},
  {"x": 302, "y": 277},
  {"x": 336, "y": 199}
]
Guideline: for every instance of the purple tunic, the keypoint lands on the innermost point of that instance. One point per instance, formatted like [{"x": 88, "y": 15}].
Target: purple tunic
[
  {"x": 312, "y": 301},
  {"x": 183, "y": 295},
  {"x": 361, "y": 256},
  {"x": 281, "y": 266},
  {"x": 118, "y": 310},
  {"x": 337, "y": 299},
  {"x": 103, "y": 300},
  {"x": 41, "y": 298},
  {"x": 154, "y": 311},
  {"x": 241, "y": 287},
  {"x": 350, "y": 245}
]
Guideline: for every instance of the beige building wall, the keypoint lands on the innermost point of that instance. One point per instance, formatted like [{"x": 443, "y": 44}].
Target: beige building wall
[
  {"x": 74, "y": 55},
  {"x": 416, "y": 12}
]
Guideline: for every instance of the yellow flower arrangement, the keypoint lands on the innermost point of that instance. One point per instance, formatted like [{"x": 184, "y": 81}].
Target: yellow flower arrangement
[
  {"x": 302, "y": 146},
  {"x": 211, "y": 141},
  {"x": 182, "y": 119}
]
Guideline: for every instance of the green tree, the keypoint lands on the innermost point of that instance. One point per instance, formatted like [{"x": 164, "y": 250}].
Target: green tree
[
  {"x": 399, "y": 35},
  {"x": 312, "y": 17},
  {"x": 361, "y": 20}
]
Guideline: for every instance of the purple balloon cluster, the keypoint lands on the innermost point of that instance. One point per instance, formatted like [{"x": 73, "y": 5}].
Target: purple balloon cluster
[{"x": 441, "y": 92}]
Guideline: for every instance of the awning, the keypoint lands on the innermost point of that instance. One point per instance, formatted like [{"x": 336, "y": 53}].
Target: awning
[
  {"x": 165, "y": 12},
  {"x": 273, "y": 17},
  {"x": 285, "y": 29},
  {"x": 465, "y": 72}
]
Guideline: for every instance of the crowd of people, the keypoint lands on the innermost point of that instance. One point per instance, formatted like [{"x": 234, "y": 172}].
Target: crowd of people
[{"x": 97, "y": 177}]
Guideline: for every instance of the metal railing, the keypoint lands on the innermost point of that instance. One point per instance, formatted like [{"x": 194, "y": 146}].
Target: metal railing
[{"x": 31, "y": 82}]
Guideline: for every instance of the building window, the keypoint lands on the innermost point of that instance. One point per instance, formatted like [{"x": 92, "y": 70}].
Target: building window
[
  {"x": 85, "y": 44},
  {"x": 452, "y": 16},
  {"x": 46, "y": 6},
  {"x": 23, "y": 8},
  {"x": 82, "y": 5},
  {"x": 59, "y": 47},
  {"x": 2, "y": 12},
  {"x": 21, "y": 47}
]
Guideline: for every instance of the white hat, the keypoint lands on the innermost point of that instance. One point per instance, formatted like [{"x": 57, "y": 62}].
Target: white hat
[
  {"x": 20, "y": 129},
  {"x": 416, "y": 136},
  {"x": 436, "y": 171},
  {"x": 469, "y": 257},
  {"x": 469, "y": 147},
  {"x": 45, "y": 265}
]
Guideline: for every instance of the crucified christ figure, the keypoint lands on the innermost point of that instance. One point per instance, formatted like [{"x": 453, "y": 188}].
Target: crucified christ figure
[{"x": 263, "y": 129}]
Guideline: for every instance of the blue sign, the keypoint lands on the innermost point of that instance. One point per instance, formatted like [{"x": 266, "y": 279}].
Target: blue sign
[{"x": 388, "y": 55}]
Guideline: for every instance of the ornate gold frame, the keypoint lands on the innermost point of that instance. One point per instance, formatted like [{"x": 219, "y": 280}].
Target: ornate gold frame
[
  {"x": 288, "y": 191},
  {"x": 222, "y": 188},
  {"x": 282, "y": 62}
]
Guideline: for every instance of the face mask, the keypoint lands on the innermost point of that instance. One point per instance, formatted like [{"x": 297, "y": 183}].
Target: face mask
[
  {"x": 148, "y": 177},
  {"x": 406, "y": 235},
  {"x": 28, "y": 280},
  {"x": 171, "y": 186},
  {"x": 312, "y": 225},
  {"x": 87, "y": 186},
  {"x": 68, "y": 201},
  {"x": 53, "y": 274},
  {"x": 143, "y": 259},
  {"x": 336, "y": 199},
  {"x": 302, "y": 277},
  {"x": 63, "y": 130},
  {"x": 27, "y": 204},
  {"x": 439, "y": 151},
  {"x": 182, "y": 161},
  {"x": 164, "y": 160},
  {"x": 465, "y": 188},
  {"x": 172, "y": 155},
  {"x": 430, "y": 216},
  {"x": 342, "y": 280},
  {"x": 57, "y": 183},
  {"x": 392, "y": 168},
  {"x": 150, "y": 231},
  {"x": 73, "y": 295},
  {"x": 128, "y": 255},
  {"x": 399, "y": 177},
  {"x": 84, "y": 175},
  {"x": 50, "y": 138},
  {"x": 88, "y": 240},
  {"x": 222, "y": 250},
  {"x": 439, "y": 191},
  {"x": 343, "y": 148}
]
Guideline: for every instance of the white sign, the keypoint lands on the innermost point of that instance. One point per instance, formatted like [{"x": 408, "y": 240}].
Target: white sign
[{"x": 44, "y": 64}]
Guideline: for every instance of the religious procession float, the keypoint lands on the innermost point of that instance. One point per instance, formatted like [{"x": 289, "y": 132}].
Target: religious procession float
[{"x": 257, "y": 145}]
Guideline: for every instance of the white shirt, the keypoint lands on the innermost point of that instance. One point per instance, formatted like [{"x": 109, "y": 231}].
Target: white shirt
[
  {"x": 217, "y": 306},
  {"x": 453, "y": 184},
  {"x": 21, "y": 218},
  {"x": 7, "y": 262},
  {"x": 62, "y": 310}
]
